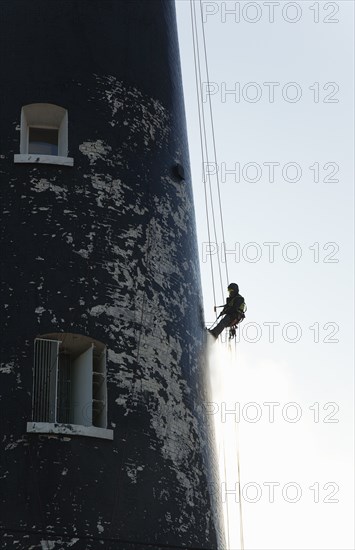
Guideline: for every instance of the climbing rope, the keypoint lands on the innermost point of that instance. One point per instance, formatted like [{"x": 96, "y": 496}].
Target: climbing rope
[
  {"x": 227, "y": 504},
  {"x": 239, "y": 491},
  {"x": 214, "y": 140},
  {"x": 200, "y": 108},
  {"x": 206, "y": 157},
  {"x": 206, "y": 161}
]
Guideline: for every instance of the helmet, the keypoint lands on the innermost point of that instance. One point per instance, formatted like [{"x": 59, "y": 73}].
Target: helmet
[{"x": 233, "y": 286}]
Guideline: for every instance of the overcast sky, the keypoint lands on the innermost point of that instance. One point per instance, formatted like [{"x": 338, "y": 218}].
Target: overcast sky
[{"x": 281, "y": 86}]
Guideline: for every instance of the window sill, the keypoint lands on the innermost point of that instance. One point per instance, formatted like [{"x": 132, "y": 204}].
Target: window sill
[
  {"x": 43, "y": 159},
  {"x": 68, "y": 429}
]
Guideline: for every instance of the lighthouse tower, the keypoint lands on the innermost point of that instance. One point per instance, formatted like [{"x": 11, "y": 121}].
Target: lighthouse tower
[{"x": 105, "y": 438}]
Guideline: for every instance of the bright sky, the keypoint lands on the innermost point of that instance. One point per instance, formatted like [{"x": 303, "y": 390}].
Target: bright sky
[{"x": 289, "y": 127}]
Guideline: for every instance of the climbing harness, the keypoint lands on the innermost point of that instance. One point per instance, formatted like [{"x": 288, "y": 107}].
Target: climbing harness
[
  {"x": 234, "y": 327},
  {"x": 239, "y": 319}
]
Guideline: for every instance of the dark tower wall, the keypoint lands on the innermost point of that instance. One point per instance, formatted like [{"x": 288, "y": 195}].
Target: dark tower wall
[{"x": 107, "y": 249}]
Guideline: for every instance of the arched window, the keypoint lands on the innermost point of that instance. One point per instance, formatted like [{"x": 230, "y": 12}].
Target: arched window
[
  {"x": 44, "y": 135},
  {"x": 69, "y": 386}
]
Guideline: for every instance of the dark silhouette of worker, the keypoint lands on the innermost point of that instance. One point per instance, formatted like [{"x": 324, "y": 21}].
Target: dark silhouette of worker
[{"x": 233, "y": 311}]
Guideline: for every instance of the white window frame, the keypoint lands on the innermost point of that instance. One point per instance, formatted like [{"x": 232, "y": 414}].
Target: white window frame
[
  {"x": 86, "y": 393},
  {"x": 44, "y": 115}
]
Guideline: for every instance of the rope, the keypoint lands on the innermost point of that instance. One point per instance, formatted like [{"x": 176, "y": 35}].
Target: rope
[
  {"x": 200, "y": 108},
  {"x": 205, "y": 155},
  {"x": 237, "y": 444},
  {"x": 214, "y": 140},
  {"x": 237, "y": 440},
  {"x": 227, "y": 506},
  {"x": 203, "y": 139}
]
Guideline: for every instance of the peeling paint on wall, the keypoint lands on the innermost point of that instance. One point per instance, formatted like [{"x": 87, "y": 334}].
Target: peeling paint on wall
[{"x": 106, "y": 248}]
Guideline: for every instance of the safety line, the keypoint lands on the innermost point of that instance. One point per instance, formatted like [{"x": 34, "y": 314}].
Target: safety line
[
  {"x": 193, "y": 24},
  {"x": 205, "y": 151},
  {"x": 199, "y": 72},
  {"x": 237, "y": 445},
  {"x": 237, "y": 439},
  {"x": 214, "y": 140},
  {"x": 225, "y": 480}
]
